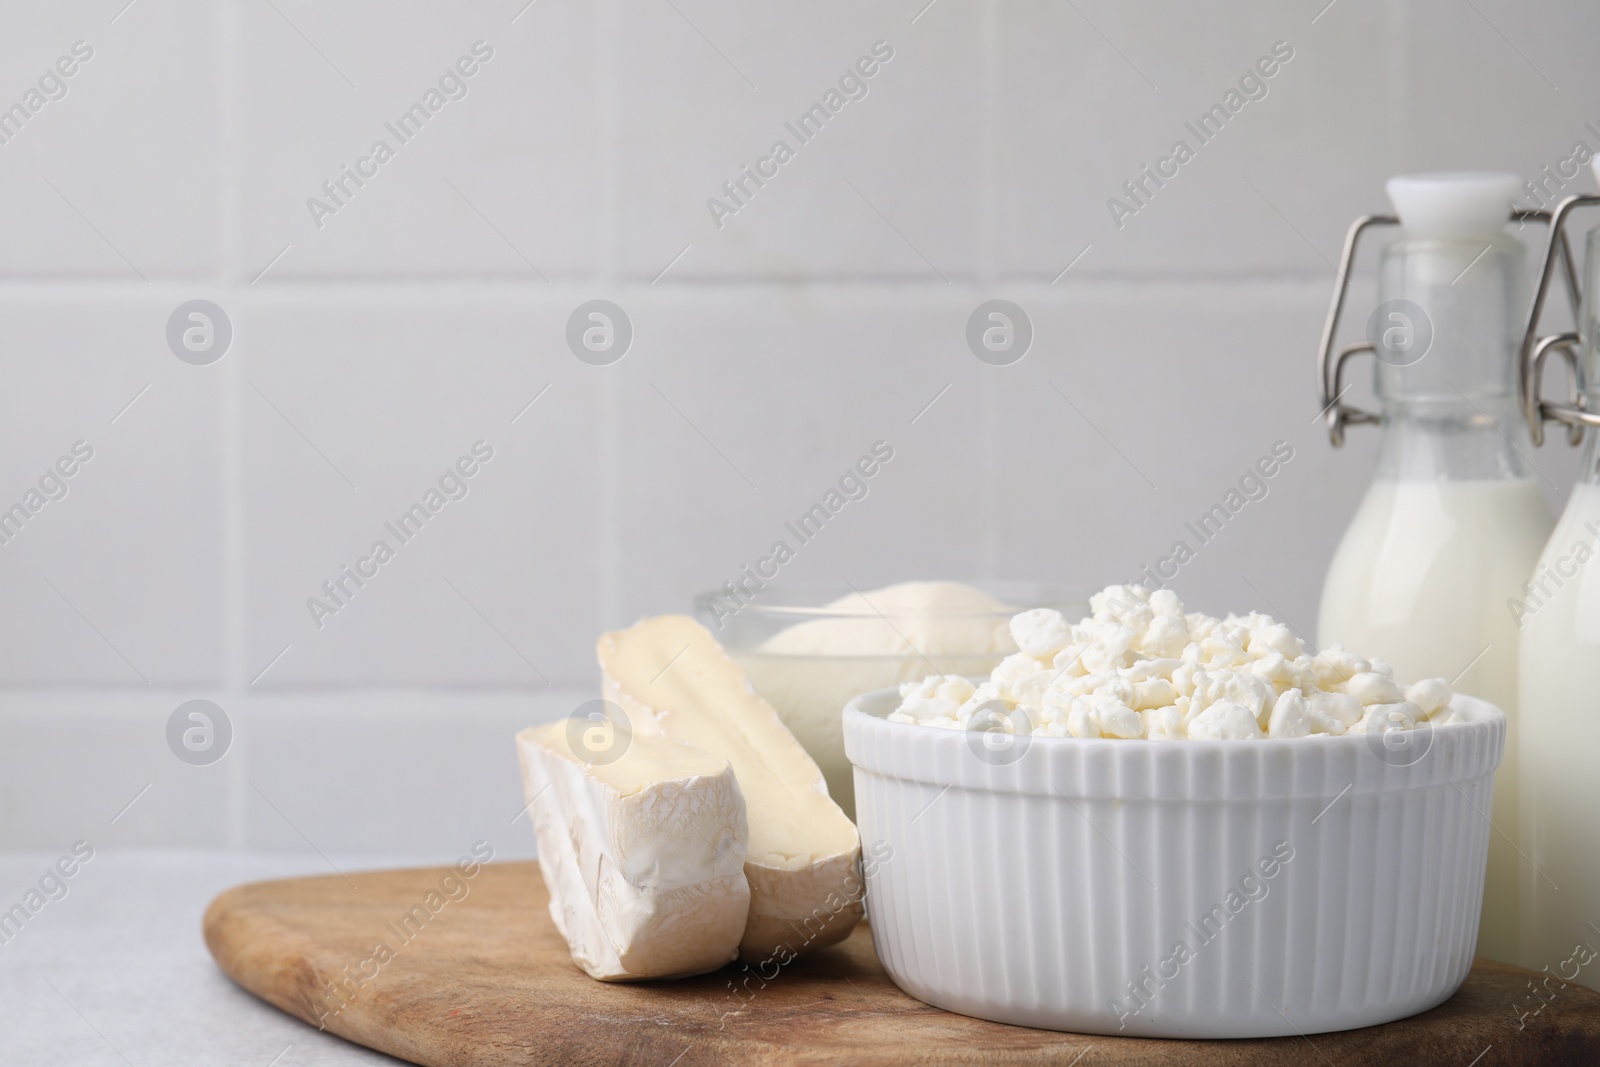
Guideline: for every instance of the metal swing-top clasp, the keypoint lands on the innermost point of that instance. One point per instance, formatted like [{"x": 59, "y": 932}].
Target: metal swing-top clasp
[
  {"x": 1330, "y": 367},
  {"x": 1530, "y": 358}
]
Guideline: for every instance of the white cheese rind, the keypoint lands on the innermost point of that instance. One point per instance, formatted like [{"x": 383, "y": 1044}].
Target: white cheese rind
[
  {"x": 672, "y": 679},
  {"x": 643, "y": 856}
]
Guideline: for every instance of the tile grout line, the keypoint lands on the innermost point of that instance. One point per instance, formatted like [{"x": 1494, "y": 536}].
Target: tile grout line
[
  {"x": 607, "y": 119},
  {"x": 1397, "y": 70},
  {"x": 608, "y": 422},
  {"x": 609, "y": 543},
  {"x": 995, "y": 511},
  {"x": 229, "y": 192},
  {"x": 989, "y": 30},
  {"x": 230, "y": 256},
  {"x": 233, "y": 566}
]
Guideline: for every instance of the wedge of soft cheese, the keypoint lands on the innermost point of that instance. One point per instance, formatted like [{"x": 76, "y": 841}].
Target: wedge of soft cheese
[
  {"x": 674, "y": 680},
  {"x": 643, "y": 854}
]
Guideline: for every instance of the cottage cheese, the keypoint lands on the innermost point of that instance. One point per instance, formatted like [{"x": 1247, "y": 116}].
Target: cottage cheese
[{"x": 1139, "y": 667}]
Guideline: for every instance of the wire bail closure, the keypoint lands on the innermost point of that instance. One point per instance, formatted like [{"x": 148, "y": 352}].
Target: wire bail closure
[
  {"x": 1330, "y": 367},
  {"x": 1535, "y": 349}
]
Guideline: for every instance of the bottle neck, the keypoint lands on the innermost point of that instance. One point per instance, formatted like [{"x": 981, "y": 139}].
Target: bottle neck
[
  {"x": 1482, "y": 438},
  {"x": 1449, "y": 405}
]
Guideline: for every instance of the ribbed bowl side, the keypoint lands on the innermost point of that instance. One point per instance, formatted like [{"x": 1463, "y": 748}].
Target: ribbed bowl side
[{"x": 1176, "y": 889}]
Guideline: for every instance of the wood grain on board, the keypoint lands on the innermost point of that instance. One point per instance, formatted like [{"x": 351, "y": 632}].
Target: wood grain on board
[{"x": 484, "y": 980}]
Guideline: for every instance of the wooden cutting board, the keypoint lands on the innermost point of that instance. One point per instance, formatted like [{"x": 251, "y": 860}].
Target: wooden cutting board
[{"x": 484, "y": 980}]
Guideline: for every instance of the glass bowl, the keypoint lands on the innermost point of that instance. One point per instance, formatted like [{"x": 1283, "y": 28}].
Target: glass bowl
[{"x": 809, "y": 657}]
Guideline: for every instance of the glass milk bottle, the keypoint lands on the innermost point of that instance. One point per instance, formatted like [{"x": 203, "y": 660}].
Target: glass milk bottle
[
  {"x": 1453, "y": 520},
  {"x": 1559, "y": 688}
]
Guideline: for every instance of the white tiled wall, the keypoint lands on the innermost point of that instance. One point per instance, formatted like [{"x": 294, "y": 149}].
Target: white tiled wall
[{"x": 428, "y": 314}]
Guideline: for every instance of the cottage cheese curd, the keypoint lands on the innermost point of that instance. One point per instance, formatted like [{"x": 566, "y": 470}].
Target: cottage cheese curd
[{"x": 1140, "y": 667}]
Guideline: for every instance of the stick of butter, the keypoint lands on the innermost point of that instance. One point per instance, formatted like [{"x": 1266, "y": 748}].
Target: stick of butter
[
  {"x": 672, "y": 679},
  {"x": 643, "y": 853}
]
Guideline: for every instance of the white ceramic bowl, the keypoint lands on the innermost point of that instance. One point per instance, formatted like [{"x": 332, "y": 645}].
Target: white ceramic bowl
[{"x": 1315, "y": 884}]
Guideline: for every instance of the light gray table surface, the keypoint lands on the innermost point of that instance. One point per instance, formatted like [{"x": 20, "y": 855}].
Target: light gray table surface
[{"x": 116, "y": 973}]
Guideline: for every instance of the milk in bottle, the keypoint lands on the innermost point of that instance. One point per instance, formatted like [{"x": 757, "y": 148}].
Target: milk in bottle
[
  {"x": 1559, "y": 705},
  {"x": 1453, "y": 521}
]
